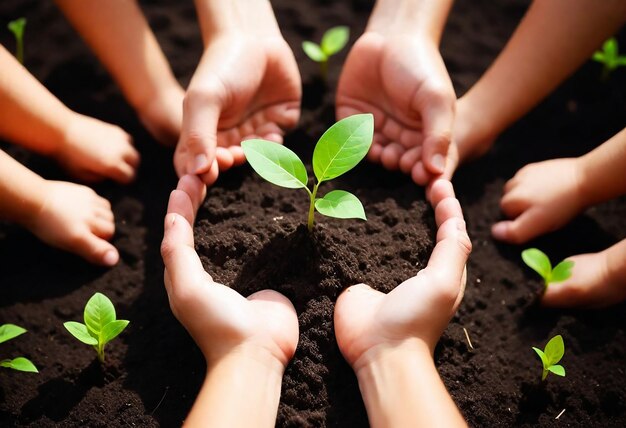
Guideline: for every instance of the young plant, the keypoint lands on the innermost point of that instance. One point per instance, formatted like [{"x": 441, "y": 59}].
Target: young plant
[
  {"x": 540, "y": 263},
  {"x": 333, "y": 41},
  {"x": 551, "y": 355},
  {"x": 17, "y": 28},
  {"x": 8, "y": 332},
  {"x": 339, "y": 150},
  {"x": 609, "y": 57},
  {"x": 101, "y": 325}
]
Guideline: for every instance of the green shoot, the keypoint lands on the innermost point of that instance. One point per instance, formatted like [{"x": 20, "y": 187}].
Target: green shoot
[
  {"x": 540, "y": 263},
  {"x": 101, "y": 325},
  {"x": 609, "y": 56},
  {"x": 551, "y": 355},
  {"x": 17, "y": 28},
  {"x": 339, "y": 150},
  {"x": 333, "y": 40},
  {"x": 8, "y": 332}
]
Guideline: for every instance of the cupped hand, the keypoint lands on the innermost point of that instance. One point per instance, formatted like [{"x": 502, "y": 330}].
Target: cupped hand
[
  {"x": 419, "y": 309},
  {"x": 403, "y": 81},
  {"x": 221, "y": 321},
  {"x": 247, "y": 85},
  {"x": 540, "y": 198}
]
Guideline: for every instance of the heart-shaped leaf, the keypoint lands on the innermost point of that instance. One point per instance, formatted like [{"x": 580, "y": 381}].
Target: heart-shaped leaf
[
  {"x": 562, "y": 271},
  {"x": 314, "y": 51},
  {"x": 538, "y": 261},
  {"x": 335, "y": 39},
  {"x": 340, "y": 204}
]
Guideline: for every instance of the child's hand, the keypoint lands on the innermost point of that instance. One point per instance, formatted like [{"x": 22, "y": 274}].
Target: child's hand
[
  {"x": 247, "y": 85},
  {"x": 222, "y": 322},
  {"x": 418, "y": 310},
  {"x": 403, "y": 81},
  {"x": 540, "y": 198},
  {"x": 94, "y": 150},
  {"x": 74, "y": 218}
]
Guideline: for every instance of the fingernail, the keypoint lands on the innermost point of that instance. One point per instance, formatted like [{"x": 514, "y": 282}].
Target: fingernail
[
  {"x": 110, "y": 258},
  {"x": 439, "y": 162},
  {"x": 499, "y": 231},
  {"x": 201, "y": 162}
]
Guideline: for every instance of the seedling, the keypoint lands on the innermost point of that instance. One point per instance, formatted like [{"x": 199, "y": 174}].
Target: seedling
[
  {"x": 17, "y": 28},
  {"x": 609, "y": 56},
  {"x": 551, "y": 355},
  {"x": 339, "y": 150},
  {"x": 540, "y": 263},
  {"x": 8, "y": 332},
  {"x": 100, "y": 324},
  {"x": 333, "y": 41}
]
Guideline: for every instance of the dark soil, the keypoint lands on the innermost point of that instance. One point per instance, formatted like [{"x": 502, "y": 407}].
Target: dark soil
[{"x": 250, "y": 236}]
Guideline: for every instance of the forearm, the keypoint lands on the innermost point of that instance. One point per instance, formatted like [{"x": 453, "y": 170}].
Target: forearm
[
  {"x": 118, "y": 33},
  {"x": 410, "y": 17},
  {"x": 401, "y": 388},
  {"x": 31, "y": 115},
  {"x": 239, "y": 391},
  {"x": 20, "y": 191},
  {"x": 552, "y": 41},
  {"x": 602, "y": 170}
]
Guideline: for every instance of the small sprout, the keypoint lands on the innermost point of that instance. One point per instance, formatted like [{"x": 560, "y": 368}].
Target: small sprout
[
  {"x": 540, "y": 263},
  {"x": 551, "y": 355},
  {"x": 8, "y": 332},
  {"x": 17, "y": 28},
  {"x": 609, "y": 56},
  {"x": 333, "y": 41},
  {"x": 100, "y": 324},
  {"x": 339, "y": 150}
]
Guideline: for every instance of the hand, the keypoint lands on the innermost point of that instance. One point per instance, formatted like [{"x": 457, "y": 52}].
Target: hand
[
  {"x": 221, "y": 321},
  {"x": 74, "y": 218},
  {"x": 540, "y": 198},
  {"x": 403, "y": 81},
  {"x": 247, "y": 85},
  {"x": 419, "y": 309}
]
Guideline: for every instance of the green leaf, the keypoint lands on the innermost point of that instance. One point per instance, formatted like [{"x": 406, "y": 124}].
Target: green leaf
[
  {"x": 99, "y": 311},
  {"x": 335, "y": 39},
  {"x": 112, "y": 329},
  {"x": 313, "y": 51},
  {"x": 343, "y": 146},
  {"x": 554, "y": 350},
  {"x": 21, "y": 364},
  {"x": 544, "y": 359},
  {"x": 599, "y": 57},
  {"x": 340, "y": 204},
  {"x": 275, "y": 163},
  {"x": 80, "y": 332},
  {"x": 10, "y": 331},
  {"x": 562, "y": 271},
  {"x": 17, "y": 27},
  {"x": 610, "y": 48},
  {"x": 538, "y": 261},
  {"x": 621, "y": 60},
  {"x": 557, "y": 370}
]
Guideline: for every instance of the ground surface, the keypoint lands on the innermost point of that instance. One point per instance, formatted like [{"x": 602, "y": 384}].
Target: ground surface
[{"x": 249, "y": 236}]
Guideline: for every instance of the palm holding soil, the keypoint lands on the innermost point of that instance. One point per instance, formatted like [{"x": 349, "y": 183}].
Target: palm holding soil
[
  {"x": 246, "y": 86},
  {"x": 403, "y": 81}
]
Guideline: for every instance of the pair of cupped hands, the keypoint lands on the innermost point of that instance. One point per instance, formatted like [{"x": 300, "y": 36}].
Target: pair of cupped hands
[
  {"x": 247, "y": 85},
  {"x": 264, "y": 326}
]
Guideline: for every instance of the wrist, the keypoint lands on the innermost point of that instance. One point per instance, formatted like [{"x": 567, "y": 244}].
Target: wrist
[
  {"x": 29, "y": 209},
  {"x": 425, "y": 18},
  {"x": 585, "y": 182},
  {"x": 473, "y": 134}
]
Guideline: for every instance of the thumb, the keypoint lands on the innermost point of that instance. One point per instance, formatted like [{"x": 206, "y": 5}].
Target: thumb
[
  {"x": 201, "y": 114},
  {"x": 563, "y": 294},
  {"x": 437, "y": 118},
  {"x": 520, "y": 230},
  {"x": 97, "y": 250}
]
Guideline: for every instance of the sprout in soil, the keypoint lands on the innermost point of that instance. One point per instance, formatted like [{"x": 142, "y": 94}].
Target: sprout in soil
[
  {"x": 100, "y": 324},
  {"x": 540, "y": 263},
  {"x": 17, "y": 28},
  {"x": 609, "y": 56},
  {"x": 339, "y": 150},
  {"x": 551, "y": 355},
  {"x": 8, "y": 332},
  {"x": 333, "y": 41}
]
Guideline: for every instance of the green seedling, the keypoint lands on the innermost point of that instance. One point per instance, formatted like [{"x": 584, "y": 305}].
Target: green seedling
[
  {"x": 551, "y": 355},
  {"x": 8, "y": 332},
  {"x": 333, "y": 40},
  {"x": 540, "y": 263},
  {"x": 609, "y": 57},
  {"x": 339, "y": 150},
  {"x": 17, "y": 28},
  {"x": 100, "y": 324}
]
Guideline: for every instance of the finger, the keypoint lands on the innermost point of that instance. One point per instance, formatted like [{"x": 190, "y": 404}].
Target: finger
[
  {"x": 104, "y": 214},
  {"x": 275, "y": 137},
  {"x": 195, "y": 190},
  {"x": 374, "y": 153},
  {"x": 448, "y": 259},
  {"x": 411, "y": 138},
  {"x": 102, "y": 228},
  {"x": 211, "y": 177},
  {"x": 132, "y": 157},
  {"x": 224, "y": 158},
  {"x": 409, "y": 159},
  {"x": 238, "y": 155},
  {"x": 563, "y": 295},
  {"x": 122, "y": 173},
  {"x": 419, "y": 174},
  {"x": 199, "y": 134},
  {"x": 438, "y": 118},
  {"x": 390, "y": 156},
  {"x": 440, "y": 190},
  {"x": 525, "y": 227},
  {"x": 392, "y": 130},
  {"x": 447, "y": 209},
  {"x": 513, "y": 204},
  {"x": 96, "y": 250}
]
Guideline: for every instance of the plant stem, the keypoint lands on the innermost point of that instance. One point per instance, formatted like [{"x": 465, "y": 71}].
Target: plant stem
[
  {"x": 312, "y": 207},
  {"x": 20, "y": 50},
  {"x": 324, "y": 70},
  {"x": 100, "y": 350}
]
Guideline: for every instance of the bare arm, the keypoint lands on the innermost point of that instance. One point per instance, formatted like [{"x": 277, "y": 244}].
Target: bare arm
[{"x": 20, "y": 191}]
